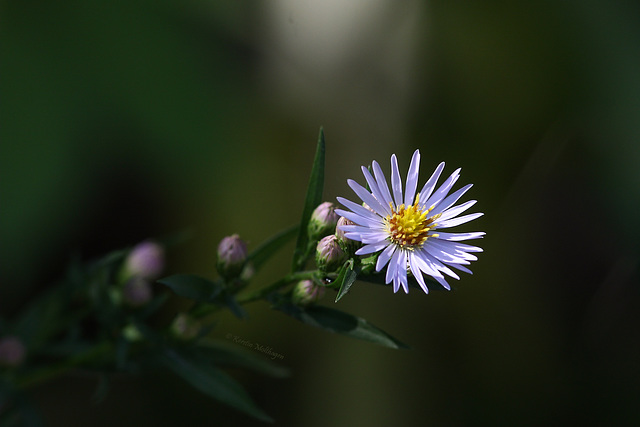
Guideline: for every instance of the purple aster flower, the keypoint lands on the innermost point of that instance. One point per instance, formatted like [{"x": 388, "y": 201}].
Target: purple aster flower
[{"x": 405, "y": 229}]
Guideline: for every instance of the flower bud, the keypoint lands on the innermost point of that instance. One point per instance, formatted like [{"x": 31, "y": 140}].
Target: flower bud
[
  {"x": 348, "y": 245},
  {"x": 131, "y": 333},
  {"x": 329, "y": 255},
  {"x": 137, "y": 292},
  {"x": 232, "y": 256},
  {"x": 12, "y": 351},
  {"x": 185, "y": 327},
  {"x": 146, "y": 260},
  {"x": 307, "y": 292},
  {"x": 323, "y": 221}
]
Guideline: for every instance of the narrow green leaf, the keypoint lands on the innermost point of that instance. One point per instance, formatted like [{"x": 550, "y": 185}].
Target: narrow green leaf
[
  {"x": 226, "y": 354},
  {"x": 192, "y": 287},
  {"x": 202, "y": 375},
  {"x": 263, "y": 252},
  {"x": 345, "y": 279},
  {"x": 341, "y": 323},
  {"x": 312, "y": 200}
]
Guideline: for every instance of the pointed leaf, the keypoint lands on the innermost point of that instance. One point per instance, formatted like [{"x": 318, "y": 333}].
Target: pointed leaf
[
  {"x": 192, "y": 287},
  {"x": 271, "y": 246},
  {"x": 312, "y": 200},
  {"x": 345, "y": 279},
  {"x": 341, "y": 323},
  {"x": 215, "y": 383}
]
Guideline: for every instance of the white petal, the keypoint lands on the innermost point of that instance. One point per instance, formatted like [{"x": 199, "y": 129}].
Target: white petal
[
  {"x": 454, "y": 246},
  {"x": 360, "y": 210},
  {"x": 355, "y": 228},
  {"x": 450, "y": 200},
  {"x": 374, "y": 237},
  {"x": 375, "y": 189},
  {"x": 369, "y": 249},
  {"x": 441, "y": 267},
  {"x": 443, "y": 282},
  {"x": 454, "y": 237},
  {"x": 461, "y": 268},
  {"x": 431, "y": 183},
  {"x": 360, "y": 220},
  {"x": 417, "y": 273},
  {"x": 412, "y": 179},
  {"x": 445, "y": 256},
  {"x": 396, "y": 182},
  {"x": 392, "y": 267},
  {"x": 443, "y": 190},
  {"x": 460, "y": 220},
  {"x": 382, "y": 182},
  {"x": 384, "y": 257},
  {"x": 367, "y": 197},
  {"x": 401, "y": 272},
  {"x": 455, "y": 211},
  {"x": 432, "y": 268}
]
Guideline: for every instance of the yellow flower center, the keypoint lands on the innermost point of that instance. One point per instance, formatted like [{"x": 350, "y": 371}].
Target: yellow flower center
[{"x": 409, "y": 226}]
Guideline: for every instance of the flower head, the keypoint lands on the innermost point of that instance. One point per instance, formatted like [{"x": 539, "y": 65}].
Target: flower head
[{"x": 404, "y": 228}]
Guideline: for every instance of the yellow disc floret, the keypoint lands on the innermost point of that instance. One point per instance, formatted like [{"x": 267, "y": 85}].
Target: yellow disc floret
[{"x": 409, "y": 226}]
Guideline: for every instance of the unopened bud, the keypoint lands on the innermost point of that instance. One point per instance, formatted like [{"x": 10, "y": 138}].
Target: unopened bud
[
  {"x": 131, "y": 333},
  {"x": 145, "y": 260},
  {"x": 137, "y": 292},
  {"x": 12, "y": 351},
  {"x": 185, "y": 327},
  {"x": 329, "y": 255},
  {"x": 232, "y": 256},
  {"x": 307, "y": 292},
  {"x": 323, "y": 221},
  {"x": 348, "y": 245}
]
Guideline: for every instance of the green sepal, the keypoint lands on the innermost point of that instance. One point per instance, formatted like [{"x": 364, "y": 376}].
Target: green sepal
[
  {"x": 312, "y": 200},
  {"x": 204, "y": 376},
  {"x": 339, "y": 322},
  {"x": 346, "y": 277}
]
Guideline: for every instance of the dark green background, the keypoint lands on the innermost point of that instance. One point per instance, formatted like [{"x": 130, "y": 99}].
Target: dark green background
[{"x": 124, "y": 120}]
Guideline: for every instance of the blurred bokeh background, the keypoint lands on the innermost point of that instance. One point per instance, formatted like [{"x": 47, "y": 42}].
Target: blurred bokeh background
[{"x": 129, "y": 119}]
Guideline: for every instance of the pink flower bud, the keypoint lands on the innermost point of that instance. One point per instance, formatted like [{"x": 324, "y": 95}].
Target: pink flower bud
[
  {"x": 307, "y": 292},
  {"x": 323, "y": 221},
  {"x": 232, "y": 256},
  {"x": 329, "y": 255},
  {"x": 145, "y": 260}
]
